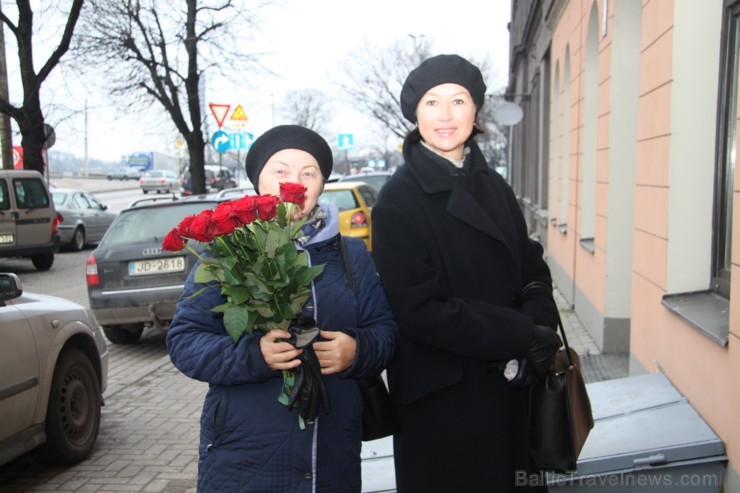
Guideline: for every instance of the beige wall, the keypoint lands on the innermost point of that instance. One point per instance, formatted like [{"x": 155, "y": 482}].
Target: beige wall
[{"x": 672, "y": 188}]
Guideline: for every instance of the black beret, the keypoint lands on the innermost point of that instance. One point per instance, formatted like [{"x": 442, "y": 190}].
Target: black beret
[
  {"x": 441, "y": 69},
  {"x": 287, "y": 137}
]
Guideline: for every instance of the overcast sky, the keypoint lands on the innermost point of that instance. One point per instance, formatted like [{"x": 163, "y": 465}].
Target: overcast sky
[{"x": 308, "y": 41}]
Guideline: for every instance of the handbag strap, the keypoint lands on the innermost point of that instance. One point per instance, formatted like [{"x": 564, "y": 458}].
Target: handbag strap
[
  {"x": 539, "y": 285},
  {"x": 347, "y": 266}
]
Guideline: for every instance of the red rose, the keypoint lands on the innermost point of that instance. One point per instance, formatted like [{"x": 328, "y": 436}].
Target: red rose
[
  {"x": 183, "y": 229},
  {"x": 223, "y": 219},
  {"x": 293, "y": 192},
  {"x": 245, "y": 209},
  {"x": 201, "y": 228},
  {"x": 173, "y": 242},
  {"x": 267, "y": 206}
]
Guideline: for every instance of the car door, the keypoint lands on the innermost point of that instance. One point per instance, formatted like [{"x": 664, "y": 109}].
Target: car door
[
  {"x": 7, "y": 222},
  {"x": 35, "y": 213},
  {"x": 19, "y": 372},
  {"x": 100, "y": 219}
]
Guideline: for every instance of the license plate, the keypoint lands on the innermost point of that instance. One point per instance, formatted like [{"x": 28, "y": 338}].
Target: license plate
[
  {"x": 6, "y": 239},
  {"x": 156, "y": 266}
]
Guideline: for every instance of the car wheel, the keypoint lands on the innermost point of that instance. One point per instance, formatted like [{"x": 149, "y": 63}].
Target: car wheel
[
  {"x": 73, "y": 414},
  {"x": 127, "y": 335},
  {"x": 43, "y": 261},
  {"x": 146, "y": 192},
  {"x": 110, "y": 178},
  {"x": 78, "y": 240}
]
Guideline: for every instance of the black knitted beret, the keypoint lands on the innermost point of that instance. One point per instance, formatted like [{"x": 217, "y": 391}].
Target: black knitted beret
[
  {"x": 441, "y": 69},
  {"x": 287, "y": 137}
]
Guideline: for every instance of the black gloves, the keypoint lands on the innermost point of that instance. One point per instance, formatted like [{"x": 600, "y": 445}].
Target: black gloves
[
  {"x": 308, "y": 391},
  {"x": 543, "y": 347}
]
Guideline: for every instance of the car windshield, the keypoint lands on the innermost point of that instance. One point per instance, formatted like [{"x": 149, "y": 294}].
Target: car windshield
[
  {"x": 153, "y": 174},
  {"x": 150, "y": 224},
  {"x": 344, "y": 200}
]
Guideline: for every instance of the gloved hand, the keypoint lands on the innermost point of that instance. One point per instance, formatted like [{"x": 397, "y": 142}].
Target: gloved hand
[
  {"x": 308, "y": 391},
  {"x": 543, "y": 347}
]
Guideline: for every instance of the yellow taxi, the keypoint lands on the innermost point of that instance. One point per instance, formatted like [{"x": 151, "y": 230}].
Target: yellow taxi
[{"x": 355, "y": 201}]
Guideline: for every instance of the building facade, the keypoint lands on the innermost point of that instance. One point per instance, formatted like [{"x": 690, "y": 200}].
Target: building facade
[{"x": 628, "y": 177}]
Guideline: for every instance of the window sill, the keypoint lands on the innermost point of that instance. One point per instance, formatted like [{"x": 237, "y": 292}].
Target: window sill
[
  {"x": 704, "y": 310},
  {"x": 563, "y": 228},
  {"x": 541, "y": 216},
  {"x": 587, "y": 244}
]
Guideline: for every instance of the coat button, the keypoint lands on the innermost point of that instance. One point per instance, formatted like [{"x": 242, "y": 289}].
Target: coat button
[{"x": 307, "y": 476}]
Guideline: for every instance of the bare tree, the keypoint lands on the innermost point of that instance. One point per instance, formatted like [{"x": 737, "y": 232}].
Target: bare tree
[
  {"x": 29, "y": 116},
  {"x": 151, "y": 54},
  {"x": 375, "y": 78},
  {"x": 310, "y": 108}
]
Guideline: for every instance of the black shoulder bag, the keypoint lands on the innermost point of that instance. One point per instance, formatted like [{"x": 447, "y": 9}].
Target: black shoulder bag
[
  {"x": 560, "y": 411},
  {"x": 378, "y": 416}
]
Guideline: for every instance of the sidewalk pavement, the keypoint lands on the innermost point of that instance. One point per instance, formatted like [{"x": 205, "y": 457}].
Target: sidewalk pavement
[{"x": 595, "y": 366}]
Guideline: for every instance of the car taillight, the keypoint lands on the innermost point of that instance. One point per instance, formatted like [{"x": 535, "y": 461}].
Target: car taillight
[
  {"x": 358, "y": 220},
  {"x": 162, "y": 180},
  {"x": 91, "y": 272},
  {"x": 55, "y": 224}
]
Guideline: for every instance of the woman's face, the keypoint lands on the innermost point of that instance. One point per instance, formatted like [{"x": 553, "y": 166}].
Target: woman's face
[
  {"x": 446, "y": 114},
  {"x": 293, "y": 166}
]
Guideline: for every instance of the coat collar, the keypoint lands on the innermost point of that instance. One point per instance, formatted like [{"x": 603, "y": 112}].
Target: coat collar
[{"x": 435, "y": 174}]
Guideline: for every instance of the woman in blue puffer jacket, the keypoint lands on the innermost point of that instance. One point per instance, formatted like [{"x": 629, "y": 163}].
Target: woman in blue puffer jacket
[{"x": 249, "y": 442}]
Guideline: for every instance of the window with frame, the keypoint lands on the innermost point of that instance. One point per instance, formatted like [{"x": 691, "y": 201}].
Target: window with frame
[{"x": 726, "y": 143}]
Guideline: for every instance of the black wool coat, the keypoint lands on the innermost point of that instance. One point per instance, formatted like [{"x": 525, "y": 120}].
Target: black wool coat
[{"x": 453, "y": 254}]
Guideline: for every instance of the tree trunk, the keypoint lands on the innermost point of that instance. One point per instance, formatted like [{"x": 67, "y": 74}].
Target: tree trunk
[{"x": 196, "y": 150}]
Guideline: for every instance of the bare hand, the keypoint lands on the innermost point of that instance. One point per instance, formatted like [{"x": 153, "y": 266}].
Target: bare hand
[
  {"x": 279, "y": 355},
  {"x": 336, "y": 353}
]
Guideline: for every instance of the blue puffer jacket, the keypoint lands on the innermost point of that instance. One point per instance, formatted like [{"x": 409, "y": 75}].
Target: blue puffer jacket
[{"x": 249, "y": 442}]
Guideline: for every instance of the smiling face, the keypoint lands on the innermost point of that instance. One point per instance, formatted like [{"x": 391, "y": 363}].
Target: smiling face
[
  {"x": 293, "y": 166},
  {"x": 446, "y": 114}
]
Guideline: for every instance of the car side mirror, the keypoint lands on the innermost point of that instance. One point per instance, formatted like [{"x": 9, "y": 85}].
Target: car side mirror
[
  {"x": 104, "y": 207},
  {"x": 10, "y": 287}
]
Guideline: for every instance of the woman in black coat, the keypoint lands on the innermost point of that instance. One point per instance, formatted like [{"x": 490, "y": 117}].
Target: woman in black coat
[{"x": 454, "y": 257}]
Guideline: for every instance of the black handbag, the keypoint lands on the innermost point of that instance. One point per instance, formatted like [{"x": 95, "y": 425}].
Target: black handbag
[
  {"x": 378, "y": 416},
  {"x": 560, "y": 414}
]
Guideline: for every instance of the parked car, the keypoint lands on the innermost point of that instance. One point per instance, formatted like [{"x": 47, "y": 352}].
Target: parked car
[
  {"x": 217, "y": 179},
  {"x": 125, "y": 173},
  {"x": 159, "y": 181},
  {"x": 54, "y": 362},
  {"x": 355, "y": 201},
  {"x": 85, "y": 219},
  {"x": 131, "y": 282},
  {"x": 28, "y": 219},
  {"x": 375, "y": 180}
]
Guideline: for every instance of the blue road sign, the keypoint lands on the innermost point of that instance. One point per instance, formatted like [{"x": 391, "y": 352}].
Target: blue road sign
[
  {"x": 220, "y": 141},
  {"x": 241, "y": 141},
  {"x": 345, "y": 141}
]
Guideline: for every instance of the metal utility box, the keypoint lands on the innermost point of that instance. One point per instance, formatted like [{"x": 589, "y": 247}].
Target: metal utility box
[
  {"x": 378, "y": 471},
  {"x": 646, "y": 437}
]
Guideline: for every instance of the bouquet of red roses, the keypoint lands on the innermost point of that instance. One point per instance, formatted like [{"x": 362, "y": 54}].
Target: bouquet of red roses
[{"x": 254, "y": 260}]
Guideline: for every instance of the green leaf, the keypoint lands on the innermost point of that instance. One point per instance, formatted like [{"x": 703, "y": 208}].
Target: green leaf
[
  {"x": 238, "y": 294},
  {"x": 276, "y": 237},
  {"x": 260, "y": 291},
  {"x": 306, "y": 276},
  {"x": 237, "y": 321},
  {"x": 203, "y": 274}
]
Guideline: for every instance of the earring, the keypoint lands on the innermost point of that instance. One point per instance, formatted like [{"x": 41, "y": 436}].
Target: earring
[{"x": 416, "y": 124}]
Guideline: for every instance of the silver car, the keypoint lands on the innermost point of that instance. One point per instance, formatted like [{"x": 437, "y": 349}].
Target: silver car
[
  {"x": 53, "y": 372},
  {"x": 85, "y": 219},
  {"x": 159, "y": 181}
]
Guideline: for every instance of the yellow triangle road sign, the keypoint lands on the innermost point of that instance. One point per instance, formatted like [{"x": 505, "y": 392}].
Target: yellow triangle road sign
[{"x": 239, "y": 114}]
